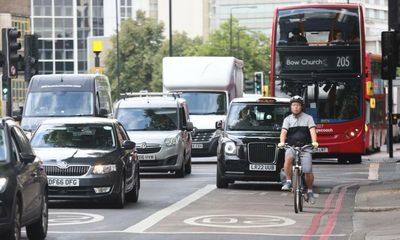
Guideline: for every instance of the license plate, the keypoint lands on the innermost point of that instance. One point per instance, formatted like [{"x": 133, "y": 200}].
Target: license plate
[
  {"x": 322, "y": 150},
  {"x": 146, "y": 157},
  {"x": 262, "y": 167},
  {"x": 197, "y": 145},
  {"x": 63, "y": 182}
]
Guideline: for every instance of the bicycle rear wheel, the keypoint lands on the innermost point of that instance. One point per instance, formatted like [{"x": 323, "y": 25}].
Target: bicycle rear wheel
[
  {"x": 296, "y": 190},
  {"x": 301, "y": 194}
]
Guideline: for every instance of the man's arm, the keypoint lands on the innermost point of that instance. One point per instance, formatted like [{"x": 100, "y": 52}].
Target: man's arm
[
  {"x": 313, "y": 133},
  {"x": 283, "y": 135}
]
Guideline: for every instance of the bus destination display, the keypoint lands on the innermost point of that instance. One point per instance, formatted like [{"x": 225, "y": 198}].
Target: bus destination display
[{"x": 317, "y": 63}]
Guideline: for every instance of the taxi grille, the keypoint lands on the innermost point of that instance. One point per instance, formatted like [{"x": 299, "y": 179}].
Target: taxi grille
[
  {"x": 261, "y": 152},
  {"x": 69, "y": 171},
  {"x": 148, "y": 150}
]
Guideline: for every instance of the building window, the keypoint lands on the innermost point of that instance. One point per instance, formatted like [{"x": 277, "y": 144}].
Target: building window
[
  {"x": 126, "y": 9},
  {"x": 42, "y": 7}
]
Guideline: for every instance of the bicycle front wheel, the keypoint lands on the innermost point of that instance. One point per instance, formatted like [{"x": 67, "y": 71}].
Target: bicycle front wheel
[{"x": 296, "y": 191}]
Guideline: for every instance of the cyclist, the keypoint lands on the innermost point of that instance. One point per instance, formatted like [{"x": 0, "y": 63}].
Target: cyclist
[{"x": 298, "y": 129}]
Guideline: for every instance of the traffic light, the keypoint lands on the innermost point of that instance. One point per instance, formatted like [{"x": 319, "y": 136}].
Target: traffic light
[
  {"x": 10, "y": 51},
  {"x": 258, "y": 82},
  {"x": 249, "y": 86},
  {"x": 31, "y": 56},
  {"x": 394, "y": 14},
  {"x": 4, "y": 89},
  {"x": 389, "y": 55}
]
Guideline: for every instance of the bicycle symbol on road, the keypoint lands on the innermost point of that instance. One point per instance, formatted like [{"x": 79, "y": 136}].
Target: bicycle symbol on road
[{"x": 239, "y": 221}]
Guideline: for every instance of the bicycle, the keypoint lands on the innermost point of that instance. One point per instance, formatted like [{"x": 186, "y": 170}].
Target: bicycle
[{"x": 297, "y": 178}]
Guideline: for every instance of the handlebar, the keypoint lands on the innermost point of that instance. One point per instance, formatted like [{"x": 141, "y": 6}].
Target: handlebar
[{"x": 301, "y": 149}]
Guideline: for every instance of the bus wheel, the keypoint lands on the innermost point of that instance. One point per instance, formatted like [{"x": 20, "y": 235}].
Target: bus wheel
[{"x": 355, "y": 159}]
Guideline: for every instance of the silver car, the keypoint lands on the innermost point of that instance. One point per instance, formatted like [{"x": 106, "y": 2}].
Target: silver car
[{"x": 160, "y": 126}]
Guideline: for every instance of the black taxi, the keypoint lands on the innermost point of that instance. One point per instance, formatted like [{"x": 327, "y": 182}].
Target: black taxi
[{"x": 247, "y": 150}]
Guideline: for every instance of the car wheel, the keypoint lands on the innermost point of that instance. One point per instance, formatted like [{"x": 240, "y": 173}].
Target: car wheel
[
  {"x": 38, "y": 229},
  {"x": 188, "y": 167},
  {"x": 221, "y": 182},
  {"x": 119, "y": 201},
  {"x": 14, "y": 233},
  {"x": 133, "y": 195},
  {"x": 181, "y": 172}
]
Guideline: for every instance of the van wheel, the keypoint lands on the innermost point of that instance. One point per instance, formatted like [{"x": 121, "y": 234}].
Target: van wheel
[
  {"x": 14, "y": 233},
  {"x": 188, "y": 167},
  {"x": 221, "y": 182},
  {"x": 133, "y": 195},
  {"x": 181, "y": 172},
  {"x": 38, "y": 229}
]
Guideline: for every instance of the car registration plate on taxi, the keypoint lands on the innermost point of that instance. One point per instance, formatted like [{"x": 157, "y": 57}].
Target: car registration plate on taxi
[
  {"x": 63, "y": 182},
  {"x": 262, "y": 167}
]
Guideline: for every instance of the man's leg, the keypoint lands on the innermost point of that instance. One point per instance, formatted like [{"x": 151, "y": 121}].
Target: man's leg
[
  {"x": 289, "y": 157},
  {"x": 309, "y": 176},
  {"x": 309, "y": 180}
]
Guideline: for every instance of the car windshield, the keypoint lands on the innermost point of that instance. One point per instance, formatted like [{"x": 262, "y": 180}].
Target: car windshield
[
  {"x": 256, "y": 116},
  {"x": 148, "y": 119},
  {"x": 42, "y": 104},
  {"x": 86, "y": 136},
  {"x": 202, "y": 103},
  {"x": 2, "y": 146}
]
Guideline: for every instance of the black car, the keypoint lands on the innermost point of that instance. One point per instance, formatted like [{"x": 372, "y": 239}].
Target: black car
[
  {"x": 23, "y": 186},
  {"x": 88, "y": 158},
  {"x": 247, "y": 150}
]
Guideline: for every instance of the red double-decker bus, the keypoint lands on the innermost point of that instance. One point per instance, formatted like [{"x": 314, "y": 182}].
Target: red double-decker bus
[{"x": 318, "y": 52}]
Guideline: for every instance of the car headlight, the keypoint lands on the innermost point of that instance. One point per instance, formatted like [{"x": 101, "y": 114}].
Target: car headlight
[
  {"x": 3, "y": 184},
  {"x": 171, "y": 141},
  {"x": 103, "y": 169},
  {"x": 230, "y": 148}
]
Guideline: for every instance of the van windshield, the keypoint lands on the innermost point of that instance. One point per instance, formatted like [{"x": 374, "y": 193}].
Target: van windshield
[
  {"x": 43, "y": 104},
  {"x": 206, "y": 103},
  {"x": 148, "y": 119}
]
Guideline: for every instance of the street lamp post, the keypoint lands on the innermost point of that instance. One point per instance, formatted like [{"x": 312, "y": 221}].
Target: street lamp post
[{"x": 230, "y": 25}]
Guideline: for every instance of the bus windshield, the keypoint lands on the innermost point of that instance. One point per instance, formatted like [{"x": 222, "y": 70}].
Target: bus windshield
[
  {"x": 206, "y": 103},
  {"x": 59, "y": 104},
  {"x": 318, "y": 27}
]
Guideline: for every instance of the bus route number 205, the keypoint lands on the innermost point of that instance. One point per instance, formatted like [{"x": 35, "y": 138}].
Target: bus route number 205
[{"x": 342, "y": 61}]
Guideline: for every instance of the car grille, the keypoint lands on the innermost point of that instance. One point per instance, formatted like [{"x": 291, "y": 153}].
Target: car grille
[
  {"x": 261, "y": 152},
  {"x": 148, "y": 150},
  {"x": 203, "y": 136},
  {"x": 69, "y": 171}
]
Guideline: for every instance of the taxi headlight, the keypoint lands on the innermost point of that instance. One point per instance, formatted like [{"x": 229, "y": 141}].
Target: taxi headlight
[
  {"x": 230, "y": 148},
  {"x": 3, "y": 184},
  {"x": 103, "y": 169}
]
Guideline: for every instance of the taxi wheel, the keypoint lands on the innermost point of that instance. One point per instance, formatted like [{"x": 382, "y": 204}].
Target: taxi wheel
[
  {"x": 221, "y": 182},
  {"x": 133, "y": 195}
]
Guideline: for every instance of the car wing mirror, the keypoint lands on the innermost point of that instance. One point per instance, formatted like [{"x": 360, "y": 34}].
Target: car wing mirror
[
  {"x": 128, "y": 144},
  {"x": 27, "y": 157},
  {"x": 189, "y": 126},
  {"x": 219, "y": 124},
  {"x": 103, "y": 112}
]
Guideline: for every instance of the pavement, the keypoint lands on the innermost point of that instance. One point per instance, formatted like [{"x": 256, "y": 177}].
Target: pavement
[{"x": 377, "y": 203}]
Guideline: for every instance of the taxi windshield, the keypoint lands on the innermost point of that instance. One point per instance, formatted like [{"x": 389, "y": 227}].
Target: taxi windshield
[{"x": 256, "y": 116}]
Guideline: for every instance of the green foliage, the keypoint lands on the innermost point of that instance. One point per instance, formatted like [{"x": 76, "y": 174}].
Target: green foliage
[
  {"x": 142, "y": 48},
  {"x": 140, "y": 40}
]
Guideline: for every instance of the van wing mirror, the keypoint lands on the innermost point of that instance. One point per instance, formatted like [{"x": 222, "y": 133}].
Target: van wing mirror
[
  {"x": 103, "y": 112},
  {"x": 189, "y": 126},
  {"x": 219, "y": 124}
]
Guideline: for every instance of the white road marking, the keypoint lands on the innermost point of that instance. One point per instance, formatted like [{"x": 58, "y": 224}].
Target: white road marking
[
  {"x": 239, "y": 221},
  {"x": 160, "y": 215},
  {"x": 73, "y": 218},
  {"x": 373, "y": 171}
]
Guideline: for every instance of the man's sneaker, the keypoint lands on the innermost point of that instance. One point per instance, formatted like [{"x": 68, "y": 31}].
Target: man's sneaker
[
  {"x": 311, "y": 198},
  {"x": 287, "y": 186}
]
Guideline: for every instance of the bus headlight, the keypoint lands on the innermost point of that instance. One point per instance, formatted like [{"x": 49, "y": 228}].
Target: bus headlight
[{"x": 352, "y": 133}]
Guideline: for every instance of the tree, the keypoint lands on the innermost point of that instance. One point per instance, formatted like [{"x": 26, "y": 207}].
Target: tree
[
  {"x": 180, "y": 45},
  {"x": 140, "y": 40},
  {"x": 250, "y": 46}
]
